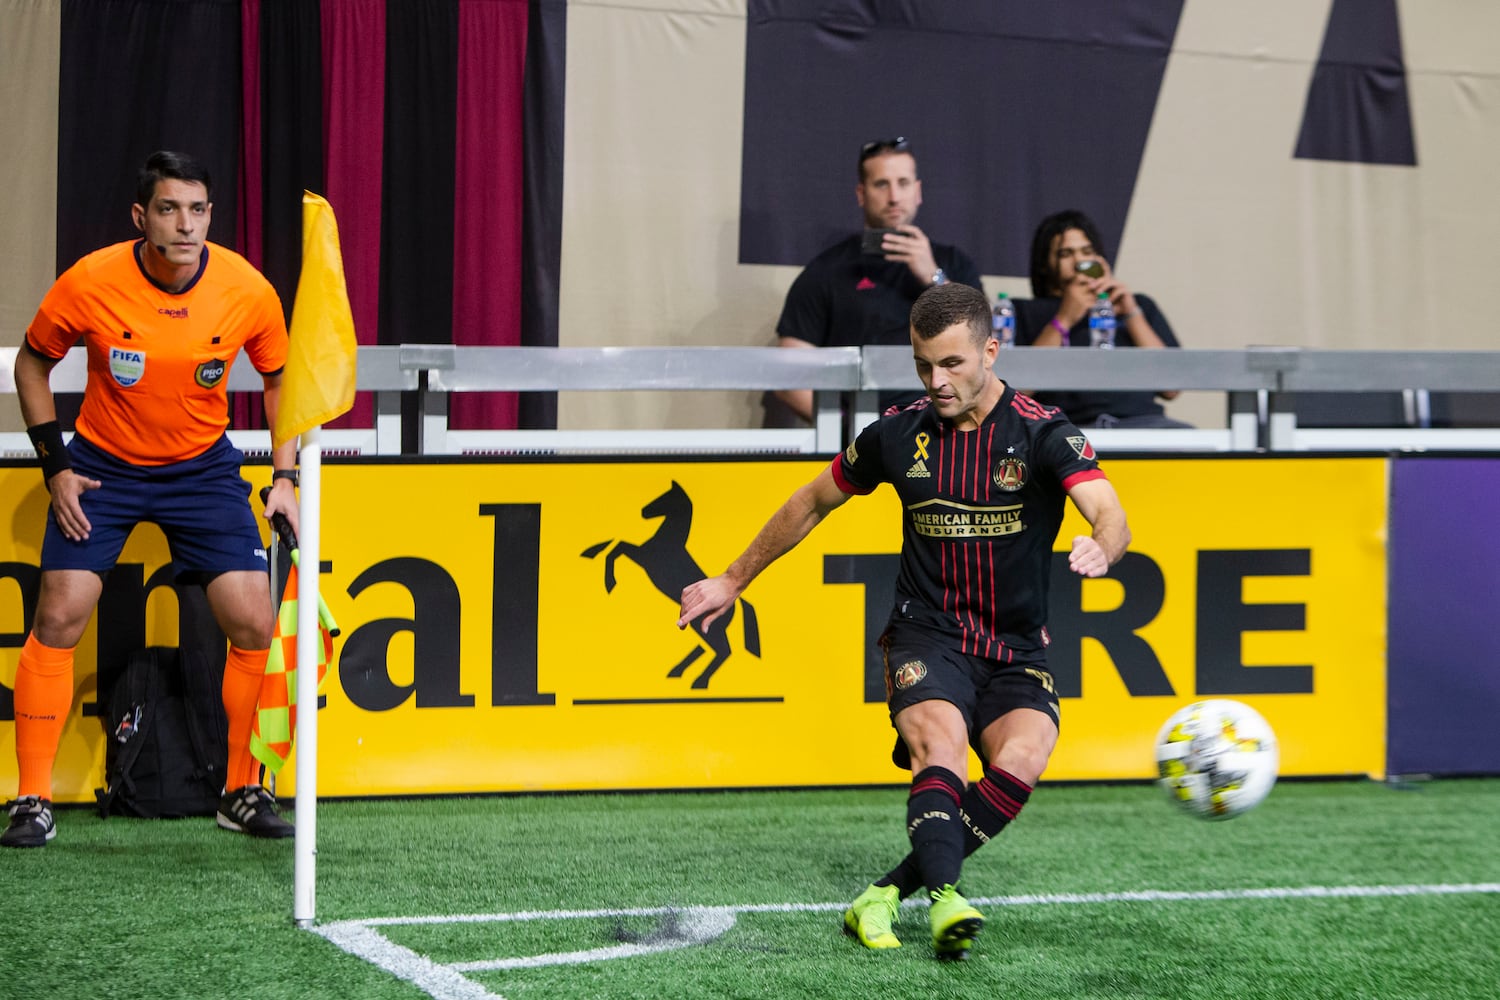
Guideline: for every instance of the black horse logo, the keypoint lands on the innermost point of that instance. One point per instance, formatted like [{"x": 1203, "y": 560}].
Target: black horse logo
[{"x": 664, "y": 557}]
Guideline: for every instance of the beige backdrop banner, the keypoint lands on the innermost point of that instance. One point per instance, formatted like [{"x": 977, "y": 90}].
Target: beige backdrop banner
[
  {"x": 29, "y": 31},
  {"x": 1239, "y": 242}
]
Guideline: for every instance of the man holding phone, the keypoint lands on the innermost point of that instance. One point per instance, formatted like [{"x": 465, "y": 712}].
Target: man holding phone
[
  {"x": 1068, "y": 271},
  {"x": 860, "y": 290}
]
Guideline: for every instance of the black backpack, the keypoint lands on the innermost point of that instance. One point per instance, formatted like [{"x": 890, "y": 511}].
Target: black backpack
[
  {"x": 166, "y": 746},
  {"x": 166, "y": 738}
]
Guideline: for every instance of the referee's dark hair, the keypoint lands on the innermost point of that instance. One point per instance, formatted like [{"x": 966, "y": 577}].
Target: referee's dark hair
[
  {"x": 945, "y": 305},
  {"x": 164, "y": 165}
]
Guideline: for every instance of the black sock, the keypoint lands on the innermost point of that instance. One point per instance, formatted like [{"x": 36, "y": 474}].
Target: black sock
[
  {"x": 934, "y": 826},
  {"x": 987, "y": 807}
]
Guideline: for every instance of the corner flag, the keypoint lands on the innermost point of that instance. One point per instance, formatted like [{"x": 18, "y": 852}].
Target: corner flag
[{"x": 318, "y": 384}]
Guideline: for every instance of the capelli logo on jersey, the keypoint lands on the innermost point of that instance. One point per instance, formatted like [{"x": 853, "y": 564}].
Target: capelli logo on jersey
[
  {"x": 173, "y": 313},
  {"x": 210, "y": 373}
]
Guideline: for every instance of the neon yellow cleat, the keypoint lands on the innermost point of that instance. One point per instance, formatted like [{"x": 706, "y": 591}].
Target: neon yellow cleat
[
  {"x": 869, "y": 917},
  {"x": 955, "y": 923}
]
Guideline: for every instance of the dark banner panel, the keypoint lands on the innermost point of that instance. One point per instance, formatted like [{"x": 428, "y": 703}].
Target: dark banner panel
[
  {"x": 1358, "y": 109},
  {"x": 1014, "y": 110},
  {"x": 1444, "y": 649}
]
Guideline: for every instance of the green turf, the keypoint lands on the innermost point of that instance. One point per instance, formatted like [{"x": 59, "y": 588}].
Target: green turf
[{"x": 129, "y": 908}]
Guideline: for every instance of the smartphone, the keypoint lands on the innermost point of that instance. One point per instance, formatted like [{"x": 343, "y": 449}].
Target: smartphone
[
  {"x": 1090, "y": 268},
  {"x": 870, "y": 243}
]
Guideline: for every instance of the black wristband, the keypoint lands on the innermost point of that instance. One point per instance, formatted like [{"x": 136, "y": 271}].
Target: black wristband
[
  {"x": 285, "y": 474},
  {"x": 50, "y": 450}
]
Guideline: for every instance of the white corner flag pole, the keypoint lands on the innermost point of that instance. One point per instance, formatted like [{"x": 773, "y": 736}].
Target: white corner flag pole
[{"x": 309, "y": 644}]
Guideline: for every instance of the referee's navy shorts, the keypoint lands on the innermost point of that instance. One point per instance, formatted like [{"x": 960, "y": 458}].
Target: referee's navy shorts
[{"x": 201, "y": 505}]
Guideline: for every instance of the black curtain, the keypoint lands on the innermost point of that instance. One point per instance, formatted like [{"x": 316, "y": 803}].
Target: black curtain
[
  {"x": 541, "y": 222},
  {"x": 291, "y": 121},
  {"x": 136, "y": 76}
]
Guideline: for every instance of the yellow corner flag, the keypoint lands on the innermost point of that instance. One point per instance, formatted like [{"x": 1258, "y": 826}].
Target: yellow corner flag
[{"x": 318, "y": 384}]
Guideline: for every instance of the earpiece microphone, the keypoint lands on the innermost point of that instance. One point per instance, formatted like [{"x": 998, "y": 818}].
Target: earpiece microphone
[{"x": 161, "y": 249}]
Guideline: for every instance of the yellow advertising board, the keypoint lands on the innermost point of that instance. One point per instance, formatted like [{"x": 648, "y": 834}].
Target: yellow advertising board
[{"x": 512, "y": 627}]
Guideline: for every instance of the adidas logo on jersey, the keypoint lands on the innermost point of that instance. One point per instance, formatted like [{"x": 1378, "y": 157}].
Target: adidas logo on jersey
[{"x": 918, "y": 471}]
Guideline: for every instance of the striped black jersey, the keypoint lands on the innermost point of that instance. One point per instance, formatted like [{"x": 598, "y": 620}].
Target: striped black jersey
[{"x": 981, "y": 510}]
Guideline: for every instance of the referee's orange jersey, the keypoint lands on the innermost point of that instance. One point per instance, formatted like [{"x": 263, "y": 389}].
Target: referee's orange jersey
[{"x": 159, "y": 361}]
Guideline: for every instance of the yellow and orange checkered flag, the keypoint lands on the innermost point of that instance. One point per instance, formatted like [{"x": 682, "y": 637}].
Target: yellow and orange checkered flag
[{"x": 276, "y": 715}]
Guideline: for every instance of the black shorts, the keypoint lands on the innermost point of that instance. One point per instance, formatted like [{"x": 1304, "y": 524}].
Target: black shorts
[{"x": 921, "y": 665}]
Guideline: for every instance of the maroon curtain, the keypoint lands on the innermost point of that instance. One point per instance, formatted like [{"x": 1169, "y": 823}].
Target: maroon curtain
[
  {"x": 433, "y": 127},
  {"x": 487, "y": 196},
  {"x": 354, "y": 135}
]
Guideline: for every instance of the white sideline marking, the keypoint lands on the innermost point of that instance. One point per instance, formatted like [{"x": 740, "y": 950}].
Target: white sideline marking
[
  {"x": 687, "y": 926},
  {"x": 426, "y": 975}
]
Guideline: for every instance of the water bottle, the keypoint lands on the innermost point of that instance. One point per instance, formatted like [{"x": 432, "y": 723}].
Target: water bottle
[
  {"x": 1102, "y": 322},
  {"x": 1003, "y": 321}
]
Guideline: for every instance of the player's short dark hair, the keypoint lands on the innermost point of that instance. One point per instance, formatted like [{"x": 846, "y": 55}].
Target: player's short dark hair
[
  {"x": 1043, "y": 275},
  {"x": 943, "y": 306},
  {"x": 165, "y": 165}
]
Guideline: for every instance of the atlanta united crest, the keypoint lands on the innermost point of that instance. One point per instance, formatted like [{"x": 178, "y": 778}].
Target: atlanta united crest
[
  {"x": 909, "y": 673},
  {"x": 1009, "y": 474}
]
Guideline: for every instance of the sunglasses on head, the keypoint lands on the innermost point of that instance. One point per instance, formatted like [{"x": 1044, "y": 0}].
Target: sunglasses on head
[{"x": 878, "y": 146}]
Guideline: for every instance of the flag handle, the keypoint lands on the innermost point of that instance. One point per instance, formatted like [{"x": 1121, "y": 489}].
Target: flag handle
[{"x": 283, "y": 529}]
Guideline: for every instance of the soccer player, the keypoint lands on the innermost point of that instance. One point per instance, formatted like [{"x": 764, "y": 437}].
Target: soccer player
[
  {"x": 982, "y": 474},
  {"x": 162, "y": 318}
]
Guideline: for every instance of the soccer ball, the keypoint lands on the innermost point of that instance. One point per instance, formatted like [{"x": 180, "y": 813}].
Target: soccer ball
[{"x": 1216, "y": 758}]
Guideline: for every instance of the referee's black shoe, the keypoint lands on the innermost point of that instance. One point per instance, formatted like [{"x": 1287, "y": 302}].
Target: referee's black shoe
[
  {"x": 252, "y": 810},
  {"x": 30, "y": 824}
]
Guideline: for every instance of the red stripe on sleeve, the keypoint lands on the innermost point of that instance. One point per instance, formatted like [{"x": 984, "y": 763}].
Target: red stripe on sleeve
[
  {"x": 1083, "y": 477},
  {"x": 839, "y": 480}
]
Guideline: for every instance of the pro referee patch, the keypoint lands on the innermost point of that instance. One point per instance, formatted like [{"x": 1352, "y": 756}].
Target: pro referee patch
[{"x": 210, "y": 373}]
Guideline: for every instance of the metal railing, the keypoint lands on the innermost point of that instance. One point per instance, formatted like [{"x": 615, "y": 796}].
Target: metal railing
[{"x": 1261, "y": 384}]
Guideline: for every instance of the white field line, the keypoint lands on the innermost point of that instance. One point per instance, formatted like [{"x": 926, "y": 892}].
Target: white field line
[{"x": 689, "y": 925}]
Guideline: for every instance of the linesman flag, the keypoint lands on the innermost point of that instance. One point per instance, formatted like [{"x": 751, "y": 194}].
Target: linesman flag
[
  {"x": 318, "y": 384},
  {"x": 275, "y": 724}
]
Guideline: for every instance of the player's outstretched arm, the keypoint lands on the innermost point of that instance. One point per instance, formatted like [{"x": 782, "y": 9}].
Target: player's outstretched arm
[
  {"x": 1093, "y": 555},
  {"x": 708, "y": 599}
]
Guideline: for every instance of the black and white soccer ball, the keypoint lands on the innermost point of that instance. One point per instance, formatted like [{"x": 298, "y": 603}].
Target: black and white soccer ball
[{"x": 1216, "y": 758}]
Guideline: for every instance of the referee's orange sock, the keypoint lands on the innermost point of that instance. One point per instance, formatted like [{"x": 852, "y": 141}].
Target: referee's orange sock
[
  {"x": 44, "y": 693},
  {"x": 243, "y": 671}
]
